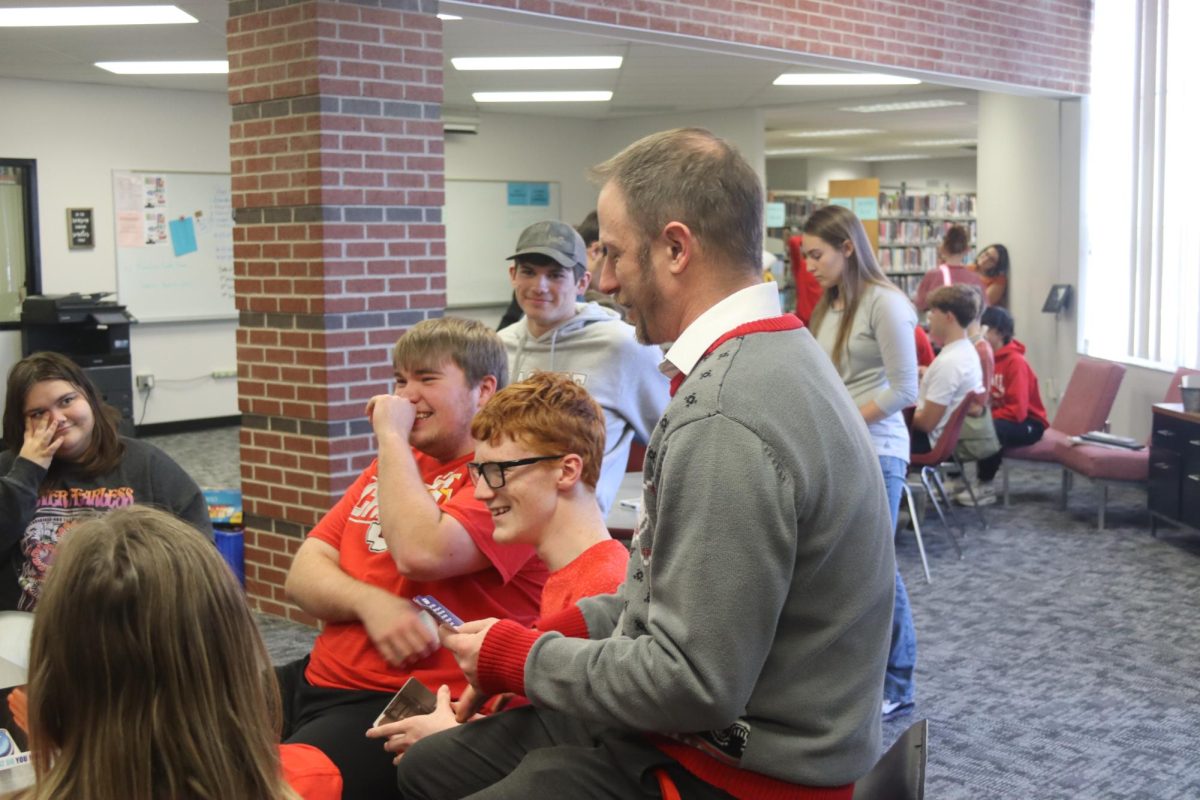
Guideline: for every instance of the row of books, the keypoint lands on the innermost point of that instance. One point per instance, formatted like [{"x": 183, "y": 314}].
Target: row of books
[
  {"x": 912, "y": 259},
  {"x": 918, "y": 232},
  {"x": 895, "y": 204}
]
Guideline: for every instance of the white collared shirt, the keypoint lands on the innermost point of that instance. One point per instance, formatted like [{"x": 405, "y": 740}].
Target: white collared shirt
[{"x": 753, "y": 303}]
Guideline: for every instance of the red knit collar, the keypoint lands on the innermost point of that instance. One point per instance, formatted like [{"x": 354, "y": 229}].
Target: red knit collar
[{"x": 784, "y": 322}]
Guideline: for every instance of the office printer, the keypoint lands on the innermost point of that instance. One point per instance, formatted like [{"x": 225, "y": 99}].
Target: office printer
[{"x": 74, "y": 308}]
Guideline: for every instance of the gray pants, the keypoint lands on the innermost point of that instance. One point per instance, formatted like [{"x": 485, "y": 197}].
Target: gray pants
[{"x": 534, "y": 752}]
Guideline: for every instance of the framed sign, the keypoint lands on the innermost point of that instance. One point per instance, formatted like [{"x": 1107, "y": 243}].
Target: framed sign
[
  {"x": 80, "y": 228},
  {"x": 1058, "y": 299}
]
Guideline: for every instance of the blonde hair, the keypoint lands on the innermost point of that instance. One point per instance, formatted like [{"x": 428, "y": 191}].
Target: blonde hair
[
  {"x": 470, "y": 344},
  {"x": 148, "y": 678},
  {"x": 550, "y": 413}
]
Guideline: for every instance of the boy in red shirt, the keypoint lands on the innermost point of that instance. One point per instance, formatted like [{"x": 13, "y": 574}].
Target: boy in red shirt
[
  {"x": 539, "y": 446},
  {"x": 1017, "y": 410},
  {"x": 409, "y": 525}
]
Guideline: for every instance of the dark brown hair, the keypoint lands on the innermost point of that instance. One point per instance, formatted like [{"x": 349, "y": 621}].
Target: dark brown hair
[
  {"x": 105, "y": 448},
  {"x": 956, "y": 241},
  {"x": 960, "y": 299}
]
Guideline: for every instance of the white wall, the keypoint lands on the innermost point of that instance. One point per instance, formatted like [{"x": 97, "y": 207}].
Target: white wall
[
  {"x": 787, "y": 173},
  {"x": 821, "y": 171},
  {"x": 928, "y": 175},
  {"x": 80, "y": 133}
]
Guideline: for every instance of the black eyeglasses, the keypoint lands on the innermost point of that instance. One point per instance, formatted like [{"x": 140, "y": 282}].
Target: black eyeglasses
[{"x": 493, "y": 471}]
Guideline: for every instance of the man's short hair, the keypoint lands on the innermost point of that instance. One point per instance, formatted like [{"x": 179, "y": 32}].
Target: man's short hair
[
  {"x": 470, "y": 344},
  {"x": 589, "y": 229},
  {"x": 689, "y": 175},
  {"x": 960, "y": 300},
  {"x": 550, "y": 413},
  {"x": 999, "y": 320}
]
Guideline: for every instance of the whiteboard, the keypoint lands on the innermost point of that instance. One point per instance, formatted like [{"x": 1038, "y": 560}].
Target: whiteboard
[
  {"x": 483, "y": 221},
  {"x": 174, "y": 235}
]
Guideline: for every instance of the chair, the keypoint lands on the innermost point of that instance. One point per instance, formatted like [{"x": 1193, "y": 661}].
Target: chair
[
  {"x": 930, "y": 478},
  {"x": 1085, "y": 405},
  {"x": 900, "y": 773},
  {"x": 1108, "y": 465}
]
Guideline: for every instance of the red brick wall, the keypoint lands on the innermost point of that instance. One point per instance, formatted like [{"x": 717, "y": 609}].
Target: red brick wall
[
  {"x": 336, "y": 150},
  {"x": 1034, "y": 43}
]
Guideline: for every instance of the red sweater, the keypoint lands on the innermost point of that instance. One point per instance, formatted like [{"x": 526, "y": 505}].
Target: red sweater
[{"x": 1015, "y": 394}]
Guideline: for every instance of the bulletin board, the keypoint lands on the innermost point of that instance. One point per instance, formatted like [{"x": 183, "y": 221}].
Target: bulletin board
[
  {"x": 483, "y": 221},
  {"x": 174, "y": 235}
]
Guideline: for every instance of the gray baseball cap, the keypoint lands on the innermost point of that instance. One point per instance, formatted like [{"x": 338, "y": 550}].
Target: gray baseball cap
[{"x": 553, "y": 239}]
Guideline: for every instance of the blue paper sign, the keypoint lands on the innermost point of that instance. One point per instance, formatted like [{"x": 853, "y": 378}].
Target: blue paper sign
[
  {"x": 776, "y": 214},
  {"x": 866, "y": 208},
  {"x": 521, "y": 193},
  {"x": 518, "y": 194},
  {"x": 183, "y": 236},
  {"x": 844, "y": 202}
]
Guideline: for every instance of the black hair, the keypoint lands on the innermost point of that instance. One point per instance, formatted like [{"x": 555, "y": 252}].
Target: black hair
[{"x": 999, "y": 320}]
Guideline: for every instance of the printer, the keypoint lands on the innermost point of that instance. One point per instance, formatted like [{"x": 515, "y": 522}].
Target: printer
[{"x": 91, "y": 331}]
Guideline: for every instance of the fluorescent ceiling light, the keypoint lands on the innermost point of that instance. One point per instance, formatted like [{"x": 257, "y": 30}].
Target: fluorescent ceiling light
[
  {"x": 537, "y": 62},
  {"x": 542, "y": 97},
  {"x": 942, "y": 142},
  {"x": 78, "y": 16},
  {"x": 831, "y": 133},
  {"x": 447, "y": 17},
  {"x": 796, "y": 151},
  {"x": 895, "y": 157},
  {"x": 909, "y": 105},
  {"x": 165, "y": 67},
  {"x": 841, "y": 79}
]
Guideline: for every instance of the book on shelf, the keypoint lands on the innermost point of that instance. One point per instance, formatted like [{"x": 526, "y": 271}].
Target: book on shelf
[{"x": 943, "y": 204}]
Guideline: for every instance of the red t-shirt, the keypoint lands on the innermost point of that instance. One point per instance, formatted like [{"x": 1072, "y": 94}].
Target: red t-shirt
[
  {"x": 343, "y": 656},
  {"x": 309, "y": 772},
  {"x": 945, "y": 275},
  {"x": 598, "y": 570}
]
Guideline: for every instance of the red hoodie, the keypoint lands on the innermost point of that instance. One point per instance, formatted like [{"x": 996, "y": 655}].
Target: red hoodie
[{"x": 1015, "y": 395}]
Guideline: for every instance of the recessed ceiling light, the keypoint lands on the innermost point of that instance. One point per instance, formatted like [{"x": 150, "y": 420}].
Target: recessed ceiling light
[
  {"x": 841, "y": 79},
  {"x": 909, "y": 105},
  {"x": 796, "y": 151},
  {"x": 78, "y": 16},
  {"x": 542, "y": 97},
  {"x": 165, "y": 67},
  {"x": 891, "y": 157},
  {"x": 830, "y": 133},
  {"x": 447, "y": 17},
  {"x": 537, "y": 62},
  {"x": 942, "y": 142}
]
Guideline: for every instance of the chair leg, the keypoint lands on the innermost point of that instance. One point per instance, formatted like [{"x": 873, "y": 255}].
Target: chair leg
[
  {"x": 912, "y": 513},
  {"x": 1004, "y": 480},
  {"x": 971, "y": 491},
  {"x": 1103, "y": 504},
  {"x": 925, "y": 481},
  {"x": 950, "y": 512}
]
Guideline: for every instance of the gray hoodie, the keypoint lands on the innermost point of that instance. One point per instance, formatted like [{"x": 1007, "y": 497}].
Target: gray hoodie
[{"x": 600, "y": 352}]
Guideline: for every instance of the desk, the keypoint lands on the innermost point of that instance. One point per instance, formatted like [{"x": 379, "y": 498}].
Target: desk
[
  {"x": 622, "y": 521},
  {"x": 1174, "y": 493}
]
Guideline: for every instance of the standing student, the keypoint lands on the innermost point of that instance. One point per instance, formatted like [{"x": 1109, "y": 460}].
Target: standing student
[
  {"x": 1017, "y": 410},
  {"x": 148, "y": 678},
  {"x": 866, "y": 326},
  {"x": 992, "y": 267},
  {"x": 955, "y": 244},
  {"x": 65, "y": 460},
  {"x": 744, "y": 653},
  {"x": 955, "y": 372}
]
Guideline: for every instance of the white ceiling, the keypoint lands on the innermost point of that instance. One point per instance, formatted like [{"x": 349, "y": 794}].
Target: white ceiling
[{"x": 654, "y": 78}]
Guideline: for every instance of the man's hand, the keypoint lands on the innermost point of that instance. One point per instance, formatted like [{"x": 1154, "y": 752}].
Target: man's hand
[
  {"x": 407, "y": 732},
  {"x": 397, "y": 630},
  {"x": 467, "y": 706},
  {"x": 41, "y": 443},
  {"x": 466, "y": 644},
  {"x": 391, "y": 414}
]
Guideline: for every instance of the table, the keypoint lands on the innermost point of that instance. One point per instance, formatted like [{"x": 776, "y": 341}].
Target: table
[{"x": 622, "y": 521}]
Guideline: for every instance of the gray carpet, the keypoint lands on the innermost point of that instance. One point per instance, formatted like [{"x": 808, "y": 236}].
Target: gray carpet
[{"x": 1055, "y": 661}]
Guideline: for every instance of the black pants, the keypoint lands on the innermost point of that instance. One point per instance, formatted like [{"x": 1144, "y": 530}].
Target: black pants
[
  {"x": 334, "y": 721},
  {"x": 533, "y": 752},
  {"x": 1010, "y": 434}
]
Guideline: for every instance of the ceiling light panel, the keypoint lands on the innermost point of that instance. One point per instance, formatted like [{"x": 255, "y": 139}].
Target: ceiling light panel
[
  {"x": 796, "y": 151},
  {"x": 165, "y": 67},
  {"x": 83, "y": 16},
  {"x": 832, "y": 133},
  {"x": 542, "y": 97},
  {"x": 942, "y": 142},
  {"x": 842, "y": 79},
  {"x": 513, "y": 63},
  {"x": 909, "y": 105},
  {"x": 893, "y": 157},
  {"x": 448, "y": 17}
]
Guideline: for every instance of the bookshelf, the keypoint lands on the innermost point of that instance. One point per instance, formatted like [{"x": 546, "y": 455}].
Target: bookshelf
[{"x": 911, "y": 225}]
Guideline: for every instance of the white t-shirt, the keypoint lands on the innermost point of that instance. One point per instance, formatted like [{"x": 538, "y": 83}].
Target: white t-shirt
[{"x": 951, "y": 376}]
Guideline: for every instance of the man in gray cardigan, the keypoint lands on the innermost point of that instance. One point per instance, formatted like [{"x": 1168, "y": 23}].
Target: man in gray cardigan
[{"x": 744, "y": 654}]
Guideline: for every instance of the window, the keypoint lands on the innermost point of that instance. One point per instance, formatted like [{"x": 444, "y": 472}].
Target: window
[
  {"x": 1140, "y": 281},
  {"x": 19, "y": 265}
]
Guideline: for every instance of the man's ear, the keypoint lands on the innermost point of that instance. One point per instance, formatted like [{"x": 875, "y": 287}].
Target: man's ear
[
  {"x": 487, "y": 388},
  {"x": 512, "y": 273},
  {"x": 571, "y": 471},
  {"x": 582, "y": 284},
  {"x": 681, "y": 244}
]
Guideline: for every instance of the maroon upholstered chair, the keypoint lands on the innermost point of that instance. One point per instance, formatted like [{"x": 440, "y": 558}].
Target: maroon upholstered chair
[
  {"x": 1106, "y": 465},
  {"x": 1085, "y": 406}
]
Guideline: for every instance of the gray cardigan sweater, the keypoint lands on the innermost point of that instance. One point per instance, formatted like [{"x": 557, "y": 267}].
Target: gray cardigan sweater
[{"x": 755, "y": 615}]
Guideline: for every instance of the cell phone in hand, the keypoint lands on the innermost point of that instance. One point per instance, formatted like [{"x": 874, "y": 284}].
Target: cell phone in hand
[
  {"x": 439, "y": 611},
  {"x": 413, "y": 699}
]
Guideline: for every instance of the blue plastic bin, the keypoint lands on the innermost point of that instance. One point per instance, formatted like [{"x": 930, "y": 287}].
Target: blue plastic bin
[{"x": 232, "y": 546}]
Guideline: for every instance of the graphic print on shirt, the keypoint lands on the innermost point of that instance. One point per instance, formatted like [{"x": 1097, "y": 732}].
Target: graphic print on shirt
[
  {"x": 57, "y": 512},
  {"x": 998, "y": 386},
  {"x": 578, "y": 377},
  {"x": 366, "y": 510}
]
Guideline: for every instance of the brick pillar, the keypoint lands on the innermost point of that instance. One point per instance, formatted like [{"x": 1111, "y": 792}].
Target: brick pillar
[{"x": 336, "y": 151}]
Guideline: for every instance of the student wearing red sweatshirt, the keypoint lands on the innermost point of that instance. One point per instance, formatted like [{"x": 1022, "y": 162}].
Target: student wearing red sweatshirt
[{"x": 1017, "y": 410}]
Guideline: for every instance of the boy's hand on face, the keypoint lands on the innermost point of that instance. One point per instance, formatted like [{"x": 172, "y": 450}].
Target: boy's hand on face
[{"x": 390, "y": 414}]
